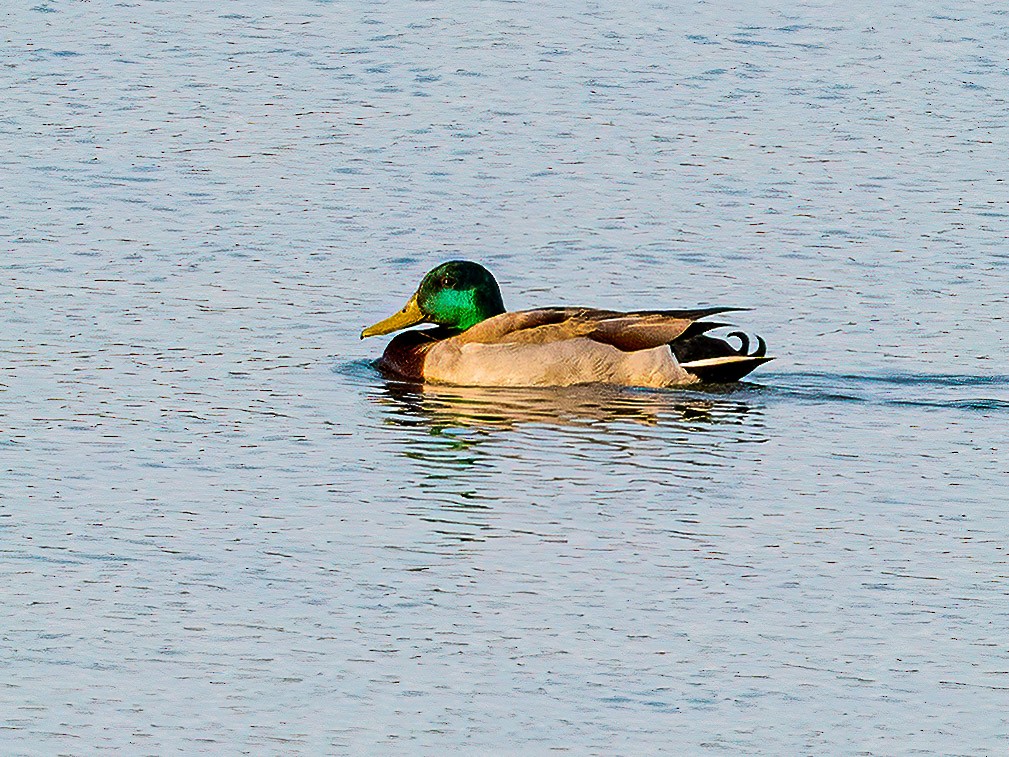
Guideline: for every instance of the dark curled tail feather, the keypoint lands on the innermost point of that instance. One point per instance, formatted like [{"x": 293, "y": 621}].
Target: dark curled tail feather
[
  {"x": 704, "y": 347},
  {"x": 715, "y": 360},
  {"x": 744, "y": 348}
]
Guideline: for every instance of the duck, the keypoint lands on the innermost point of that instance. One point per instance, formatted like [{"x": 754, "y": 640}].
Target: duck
[{"x": 475, "y": 341}]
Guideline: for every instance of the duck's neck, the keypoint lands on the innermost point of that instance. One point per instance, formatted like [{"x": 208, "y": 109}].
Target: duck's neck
[{"x": 458, "y": 310}]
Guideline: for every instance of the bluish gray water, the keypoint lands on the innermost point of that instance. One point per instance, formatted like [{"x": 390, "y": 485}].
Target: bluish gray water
[{"x": 221, "y": 530}]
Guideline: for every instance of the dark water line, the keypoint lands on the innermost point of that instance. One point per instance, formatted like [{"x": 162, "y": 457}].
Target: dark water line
[{"x": 895, "y": 379}]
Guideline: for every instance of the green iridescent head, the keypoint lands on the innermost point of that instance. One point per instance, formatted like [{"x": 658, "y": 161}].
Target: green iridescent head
[{"x": 456, "y": 295}]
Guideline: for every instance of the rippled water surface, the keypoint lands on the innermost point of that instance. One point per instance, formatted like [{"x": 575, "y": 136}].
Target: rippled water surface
[{"x": 222, "y": 531}]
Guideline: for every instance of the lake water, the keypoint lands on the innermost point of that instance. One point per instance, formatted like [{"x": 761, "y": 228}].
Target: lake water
[{"x": 222, "y": 531}]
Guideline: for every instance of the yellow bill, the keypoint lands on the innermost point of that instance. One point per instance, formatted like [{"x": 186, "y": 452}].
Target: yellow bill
[{"x": 408, "y": 316}]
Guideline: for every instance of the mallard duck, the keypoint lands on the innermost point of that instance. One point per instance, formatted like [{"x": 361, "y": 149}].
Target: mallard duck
[{"x": 475, "y": 342}]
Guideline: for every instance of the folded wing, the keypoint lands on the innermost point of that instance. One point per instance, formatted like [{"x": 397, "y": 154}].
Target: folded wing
[{"x": 629, "y": 332}]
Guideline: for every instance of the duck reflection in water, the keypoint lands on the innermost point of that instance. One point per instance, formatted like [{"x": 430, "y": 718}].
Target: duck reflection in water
[
  {"x": 444, "y": 407},
  {"x": 479, "y": 456}
]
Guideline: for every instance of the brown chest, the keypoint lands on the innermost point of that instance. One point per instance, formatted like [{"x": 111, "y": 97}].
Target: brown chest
[{"x": 405, "y": 355}]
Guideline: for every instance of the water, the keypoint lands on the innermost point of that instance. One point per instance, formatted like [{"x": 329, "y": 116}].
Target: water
[{"x": 222, "y": 530}]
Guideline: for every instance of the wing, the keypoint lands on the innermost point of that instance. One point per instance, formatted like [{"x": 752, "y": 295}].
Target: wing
[{"x": 629, "y": 332}]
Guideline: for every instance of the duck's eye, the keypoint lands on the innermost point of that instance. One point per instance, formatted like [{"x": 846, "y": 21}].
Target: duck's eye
[{"x": 448, "y": 282}]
